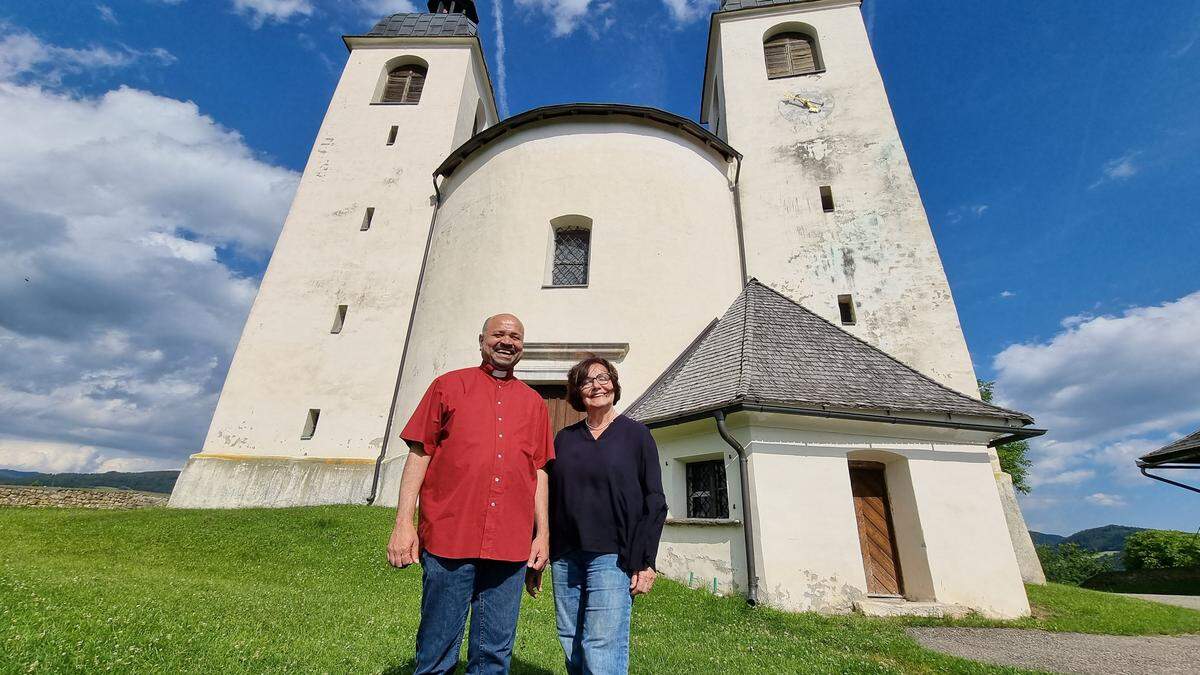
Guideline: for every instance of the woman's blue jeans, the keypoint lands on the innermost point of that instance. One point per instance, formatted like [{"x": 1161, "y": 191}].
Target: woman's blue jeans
[{"x": 592, "y": 605}]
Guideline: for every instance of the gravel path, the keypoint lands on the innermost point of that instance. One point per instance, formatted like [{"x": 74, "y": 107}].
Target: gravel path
[
  {"x": 1066, "y": 652},
  {"x": 1188, "y": 601}
]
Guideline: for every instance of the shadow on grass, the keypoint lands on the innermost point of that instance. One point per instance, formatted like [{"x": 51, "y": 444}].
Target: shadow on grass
[{"x": 517, "y": 667}]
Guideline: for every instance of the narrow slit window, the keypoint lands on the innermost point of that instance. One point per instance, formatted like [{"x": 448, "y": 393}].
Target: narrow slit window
[
  {"x": 392, "y": 135},
  {"x": 707, "y": 490},
  {"x": 846, "y": 309},
  {"x": 367, "y": 218},
  {"x": 826, "y": 198},
  {"x": 339, "y": 319},
  {"x": 310, "y": 424}
]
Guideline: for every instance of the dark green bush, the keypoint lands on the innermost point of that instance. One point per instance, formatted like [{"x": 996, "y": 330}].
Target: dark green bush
[
  {"x": 1158, "y": 549},
  {"x": 1071, "y": 564}
]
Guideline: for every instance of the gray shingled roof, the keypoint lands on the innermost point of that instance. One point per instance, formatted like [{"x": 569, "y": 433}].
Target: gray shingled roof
[
  {"x": 424, "y": 25},
  {"x": 768, "y": 349},
  {"x": 734, "y": 5},
  {"x": 1183, "y": 451}
]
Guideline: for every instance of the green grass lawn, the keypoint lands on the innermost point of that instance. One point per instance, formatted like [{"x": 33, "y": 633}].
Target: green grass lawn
[{"x": 309, "y": 590}]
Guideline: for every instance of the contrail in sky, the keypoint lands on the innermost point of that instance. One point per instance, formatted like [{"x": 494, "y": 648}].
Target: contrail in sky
[{"x": 501, "y": 68}]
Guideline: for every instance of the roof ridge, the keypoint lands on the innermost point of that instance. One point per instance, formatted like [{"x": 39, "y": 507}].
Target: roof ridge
[{"x": 872, "y": 347}]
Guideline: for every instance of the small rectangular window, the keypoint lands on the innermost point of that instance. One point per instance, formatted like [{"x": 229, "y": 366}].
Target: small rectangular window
[
  {"x": 310, "y": 424},
  {"x": 572, "y": 253},
  {"x": 366, "y": 223},
  {"x": 846, "y": 309},
  {"x": 339, "y": 319},
  {"x": 826, "y": 198},
  {"x": 392, "y": 135},
  {"x": 707, "y": 492}
]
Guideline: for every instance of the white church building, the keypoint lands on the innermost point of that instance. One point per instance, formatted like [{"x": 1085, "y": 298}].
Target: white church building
[{"x": 765, "y": 280}]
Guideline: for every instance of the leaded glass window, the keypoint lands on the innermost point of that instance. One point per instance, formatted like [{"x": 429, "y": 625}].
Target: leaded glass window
[
  {"x": 707, "y": 493},
  {"x": 572, "y": 249}
]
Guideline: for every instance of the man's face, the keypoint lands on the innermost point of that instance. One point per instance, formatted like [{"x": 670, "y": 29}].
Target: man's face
[{"x": 503, "y": 341}]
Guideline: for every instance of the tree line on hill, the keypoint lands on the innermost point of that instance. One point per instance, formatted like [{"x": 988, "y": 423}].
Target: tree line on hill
[
  {"x": 145, "y": 481},
  {"x": 1143, "y": 555}
]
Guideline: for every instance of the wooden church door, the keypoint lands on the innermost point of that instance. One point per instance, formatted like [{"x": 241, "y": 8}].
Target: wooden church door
[
  {"x": 561, "y": 412},
  {"x": 875, "y": 533}
]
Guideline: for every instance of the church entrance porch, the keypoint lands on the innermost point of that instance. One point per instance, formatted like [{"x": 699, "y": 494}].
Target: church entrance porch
[{"x": 877, "y": 536}]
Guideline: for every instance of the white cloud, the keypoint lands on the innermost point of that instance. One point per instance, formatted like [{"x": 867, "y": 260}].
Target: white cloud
[
  {"x": 1107, "y": 387},
  {"x": 50, "y": 457},
  {"x": 119, "y": 316},
  {"x": 24, "y": 57},
  {"x": 107, "y": 15},
  {"x": 501, "y": 59},
  {"x": 1007, "y": 294},
  {"x": 1064, "y": 478},
  {"x": 957, "y": 214},
  {"x": 381, "y": 8},
  {"x": 1120, "y": 168},
  {"x": 260, "y": 12},
  {"x": 687, "y": 11},
  {"x": 1105, "y": 499},
  {"x": 569, "y": 14}
]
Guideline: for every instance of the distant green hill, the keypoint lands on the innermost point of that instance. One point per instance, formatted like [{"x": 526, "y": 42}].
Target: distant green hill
[
  {"x": 1096, "y": 539},
  {"x": 146, "y": 481},
  {"x": 1043, "y": 539}
]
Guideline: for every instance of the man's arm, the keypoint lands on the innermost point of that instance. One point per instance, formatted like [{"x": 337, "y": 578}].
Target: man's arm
[
  {"x": 404, "y": 548},
  {"x": 539, "y": 553}
]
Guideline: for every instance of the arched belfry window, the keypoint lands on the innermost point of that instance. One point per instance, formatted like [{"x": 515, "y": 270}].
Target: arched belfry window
[
  {"x": 791, "y": 53},
  {"x": 572, "y": 253},
  {"x": 404, "y": 84}
]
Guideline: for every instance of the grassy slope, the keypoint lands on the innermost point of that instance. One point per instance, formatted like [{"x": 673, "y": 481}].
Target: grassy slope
[{"x": 308, "y": 590}]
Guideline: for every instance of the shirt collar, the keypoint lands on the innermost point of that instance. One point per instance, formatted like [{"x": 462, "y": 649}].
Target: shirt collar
[{"x": 493, "y": 372}]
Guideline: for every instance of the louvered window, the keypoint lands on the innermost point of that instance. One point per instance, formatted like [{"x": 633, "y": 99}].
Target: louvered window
[
  {"x": 404, "y": 85},
  {"x": 572, "y": 249},
  {"x": 790, "y": 54},
  {"x": 707, "y": 492}
]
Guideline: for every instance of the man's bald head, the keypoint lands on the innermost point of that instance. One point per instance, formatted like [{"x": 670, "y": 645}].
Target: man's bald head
[{"x": 502, "y": 341}]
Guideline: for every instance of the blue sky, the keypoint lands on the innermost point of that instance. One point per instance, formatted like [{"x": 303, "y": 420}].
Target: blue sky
[{"x": 149, "y": 149}]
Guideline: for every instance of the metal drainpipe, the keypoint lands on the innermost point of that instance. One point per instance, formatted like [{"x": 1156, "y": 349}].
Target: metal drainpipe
[
  {"x": 747, "y": 522},
  {"x": 387, "y": 430},
  {"x": 737, "y": 219}
]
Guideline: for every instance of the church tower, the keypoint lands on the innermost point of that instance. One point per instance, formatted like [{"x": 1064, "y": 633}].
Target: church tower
[
  {"x": 830, "y": 211},
  {"x": 305, "y": 405}
]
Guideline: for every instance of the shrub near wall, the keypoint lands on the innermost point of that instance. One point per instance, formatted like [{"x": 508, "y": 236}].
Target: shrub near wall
[
  {"x": 1156, "y": 549},
  {"x": 1070, "y": 563}
]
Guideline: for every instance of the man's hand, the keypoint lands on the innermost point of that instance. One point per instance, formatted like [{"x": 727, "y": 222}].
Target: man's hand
[
  {"x": 533, "y": 582},
  {"x": 539, "y": 553},
  {"x": 641, "y": 582},
  {"x": 404, "y": 548}
]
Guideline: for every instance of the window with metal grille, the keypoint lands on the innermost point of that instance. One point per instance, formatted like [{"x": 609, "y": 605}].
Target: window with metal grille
[
  {"x": 404, "y": 85},
  {"x": 572, "y": 250},
  {"x": 790, "y": 54},
  {"x": 707, "y": 494}
]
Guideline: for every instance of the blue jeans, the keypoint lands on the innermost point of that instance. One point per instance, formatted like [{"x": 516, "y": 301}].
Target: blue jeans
[
  {"x": 492, "y": 591},
  {"x": 592, "y": 605}
]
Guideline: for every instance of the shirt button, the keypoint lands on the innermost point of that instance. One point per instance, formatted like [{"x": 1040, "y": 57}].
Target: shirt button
[
  {"x": 501, "y": 435},
  {"x": 499, "y": 419},
  {"x": 499, "y": 456},
  {"x": 497, "y": 479},
  {"x": 493, "y": 503}
]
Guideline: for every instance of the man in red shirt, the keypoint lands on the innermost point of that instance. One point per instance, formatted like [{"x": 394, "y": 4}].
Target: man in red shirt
[{"x": 478, "y": 445}]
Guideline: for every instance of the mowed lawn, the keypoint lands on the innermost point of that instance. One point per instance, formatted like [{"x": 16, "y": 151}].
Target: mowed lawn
[{"x": 309, "y": 590}]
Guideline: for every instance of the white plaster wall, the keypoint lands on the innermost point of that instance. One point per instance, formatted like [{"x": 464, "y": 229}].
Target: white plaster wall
[
  {"x": 877, "y": 244},
  {"x": 699, "y": 555},
  {"x": 664, "y": 259},
  {"x": 287, "y": 361}
]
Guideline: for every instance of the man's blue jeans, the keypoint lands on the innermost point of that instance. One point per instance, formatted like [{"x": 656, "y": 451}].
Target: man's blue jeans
[
  {"x": 592, "y": 605},
  {"x": 492, "y": 591}
]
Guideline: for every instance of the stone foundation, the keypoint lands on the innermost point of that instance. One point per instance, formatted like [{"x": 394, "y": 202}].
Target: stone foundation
[
  {"x": 232, "y": 481},
  {"x": 78, "y": 498}
]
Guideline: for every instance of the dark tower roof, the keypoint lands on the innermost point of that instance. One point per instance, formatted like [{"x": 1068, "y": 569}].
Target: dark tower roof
[{"x": 424, "y": 25}]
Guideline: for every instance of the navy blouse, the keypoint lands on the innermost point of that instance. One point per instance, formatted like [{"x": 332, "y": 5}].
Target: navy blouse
[{"x": 606, "y": 494}]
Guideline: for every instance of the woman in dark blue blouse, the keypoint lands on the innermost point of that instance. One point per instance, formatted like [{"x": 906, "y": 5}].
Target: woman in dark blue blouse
[{"x": 607, "y": 510}]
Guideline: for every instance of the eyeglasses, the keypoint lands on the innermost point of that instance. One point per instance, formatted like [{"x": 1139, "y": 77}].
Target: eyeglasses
[{"x": 602, "y": 378}]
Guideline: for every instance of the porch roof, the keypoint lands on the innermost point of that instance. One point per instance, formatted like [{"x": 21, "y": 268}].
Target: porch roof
[
  {"x": 1183, "y": 451},
  {"x": 767, "y": 349}
]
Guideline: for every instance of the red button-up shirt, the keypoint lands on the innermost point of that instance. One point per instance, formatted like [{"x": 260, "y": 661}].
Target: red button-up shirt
[{"x": 486, "y": 437}]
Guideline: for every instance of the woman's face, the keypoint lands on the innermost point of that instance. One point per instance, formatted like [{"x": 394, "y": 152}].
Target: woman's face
[{"x": 597, "y": 393}]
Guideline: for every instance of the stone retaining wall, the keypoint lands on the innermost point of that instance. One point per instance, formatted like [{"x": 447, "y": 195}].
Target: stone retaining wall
[{"x": 78, "y": 498}]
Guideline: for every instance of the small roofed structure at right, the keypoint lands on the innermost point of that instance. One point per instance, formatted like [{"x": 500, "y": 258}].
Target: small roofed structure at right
[
  {"x": 1182, "y": 454},
  {"x": 853, "y": 481}
]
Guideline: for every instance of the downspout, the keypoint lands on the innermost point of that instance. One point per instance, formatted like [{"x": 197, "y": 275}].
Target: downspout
[
  {"x": 412, "y": 315},
  {"x": 1168, "y": 481},
  {"x": 737, "y": 219},
  {"x": 747, "y": 522}
]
